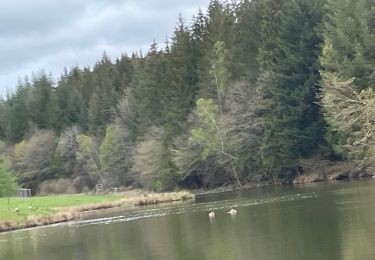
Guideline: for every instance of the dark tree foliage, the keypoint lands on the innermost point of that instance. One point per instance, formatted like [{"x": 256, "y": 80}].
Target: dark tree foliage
[
  {"x": 253, "y": 67},
  {"x": 246, "y": 41},
  {"x": 145, "y": 91},
  {"x": 350, "y": 41},
  {"x": 15, "y": 120},
  {"x": 180, "y": 81},
  {"x": 293, "y": 123}
]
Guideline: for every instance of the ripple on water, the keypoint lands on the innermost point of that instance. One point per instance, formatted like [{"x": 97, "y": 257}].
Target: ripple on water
[{"x": 196, "y": 207}]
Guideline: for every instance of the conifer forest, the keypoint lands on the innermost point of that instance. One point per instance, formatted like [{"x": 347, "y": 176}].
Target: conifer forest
[{"x": 245, "y": 92}]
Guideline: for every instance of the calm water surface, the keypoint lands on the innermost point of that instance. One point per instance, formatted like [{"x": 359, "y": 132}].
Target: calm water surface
[{"x": 321, "y": 221}]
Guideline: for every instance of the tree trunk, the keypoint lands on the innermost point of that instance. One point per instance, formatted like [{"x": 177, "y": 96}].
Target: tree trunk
[{"x": 235, "y": 173}]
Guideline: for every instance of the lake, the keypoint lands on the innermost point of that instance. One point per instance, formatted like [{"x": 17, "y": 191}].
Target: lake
[{"x": 315, "y": 221}]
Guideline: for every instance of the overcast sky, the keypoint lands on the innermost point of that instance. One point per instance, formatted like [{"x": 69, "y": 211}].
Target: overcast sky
[{"x": 53, "y": 34}]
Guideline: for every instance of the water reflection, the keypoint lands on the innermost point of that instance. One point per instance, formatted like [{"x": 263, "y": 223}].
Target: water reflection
[{"x": 311, "y": 222}]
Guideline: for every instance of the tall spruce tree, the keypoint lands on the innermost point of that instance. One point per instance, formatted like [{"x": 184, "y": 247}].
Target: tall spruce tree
[
  {"x": 3, "y": 119},
  {"x": 245, "y": 41},
  {"x": 179, "y": 86},
  {"x": 219, "y": 27},
  {"x": 40, "y": 101},
  {"x": 271, "y": 11},
  {"x": 292, "y": 119},
  {"x": 350, "y": 41},
  {"x": 16, "y": 120},
  {"x": 145, "y": 91}
]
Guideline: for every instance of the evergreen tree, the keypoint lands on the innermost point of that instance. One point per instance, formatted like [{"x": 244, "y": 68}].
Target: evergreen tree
[
  {"x": 350, "y": 41},
  {"x": 8, "y": 185},
  {"x": 95, "y": 115},
  {"x": 40, "y": 102},
  {"x": 3, "y": 119},
  {"x": 292, "y": 119},
  {"x": 246, "y": 40},
  {"x": 145, "y": 91},
  {"x": 179, "y": 83},
  {"x": 69, "y": 102},
  {"x": 124, "y": 66},
  {"x": 219, "y": 23},
  {"x": 219, "y": 27},
  {"x": 271, "y": 12},
  {"x": 220, "y": 72},
  {"x": 16, "y": 120}
]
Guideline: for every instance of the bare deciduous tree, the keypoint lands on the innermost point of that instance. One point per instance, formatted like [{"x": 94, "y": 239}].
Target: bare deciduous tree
[{"x": 353, "y": 113}]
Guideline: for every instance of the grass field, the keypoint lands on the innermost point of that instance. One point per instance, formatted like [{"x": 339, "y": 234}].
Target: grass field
[
  {"x": 36, "y": 211},
  {"x": 47, "y": 205}
]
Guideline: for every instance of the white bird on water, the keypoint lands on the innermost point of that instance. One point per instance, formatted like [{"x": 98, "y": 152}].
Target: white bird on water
[
  {"x": 232, "y": 211},
  {"x": 211, "y": 214}
]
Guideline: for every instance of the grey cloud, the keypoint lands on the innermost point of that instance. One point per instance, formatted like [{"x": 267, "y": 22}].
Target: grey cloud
[
  {"x": 53, "y": 34},
  {"x": 30, "y": 17}
]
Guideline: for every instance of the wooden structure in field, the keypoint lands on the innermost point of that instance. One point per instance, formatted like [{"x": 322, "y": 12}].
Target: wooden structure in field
[
  {"x": 99, "y": 189},
  {"x": 23, "y": 193}
]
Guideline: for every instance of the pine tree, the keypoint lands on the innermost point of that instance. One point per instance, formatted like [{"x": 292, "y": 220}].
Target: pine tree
[
  {"x": 124, "y": 66},
  {"x": 16, "y": 119},
  {"x": 246, "y": 40},
  {"x": 40, "y": 101},
  {"x": 219, "y": 27},
  {"x": 350, "y": 41},
  {"x": 292, "y": 119},
  {"x": 145, "y": 92},
  {"x": 69, "y": 100},
  {"x": 271, "y": 12},
  {"x": 179, "y": 83},
  {"x": 134, "y": 96},
  {"x": 219, "y": 23},
  {"x": 98, "y": 113},
  {"x": 3, "y": 119}
]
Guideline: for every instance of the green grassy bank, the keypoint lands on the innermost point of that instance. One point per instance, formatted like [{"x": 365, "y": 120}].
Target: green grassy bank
[{"x": 38, "y": 211}]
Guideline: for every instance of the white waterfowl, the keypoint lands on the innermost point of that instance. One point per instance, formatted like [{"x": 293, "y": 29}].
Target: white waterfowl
[
  {"x": 232, "y": 211},
  {"x": 211, "y": 214}
]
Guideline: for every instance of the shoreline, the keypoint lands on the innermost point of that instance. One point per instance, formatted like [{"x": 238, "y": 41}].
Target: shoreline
[
  {"x": 66, "y": 214},
  {"x": 309, "y": 172},
  {"x": 234, "y": 188},
  {"x": 330, "y": 172}
]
